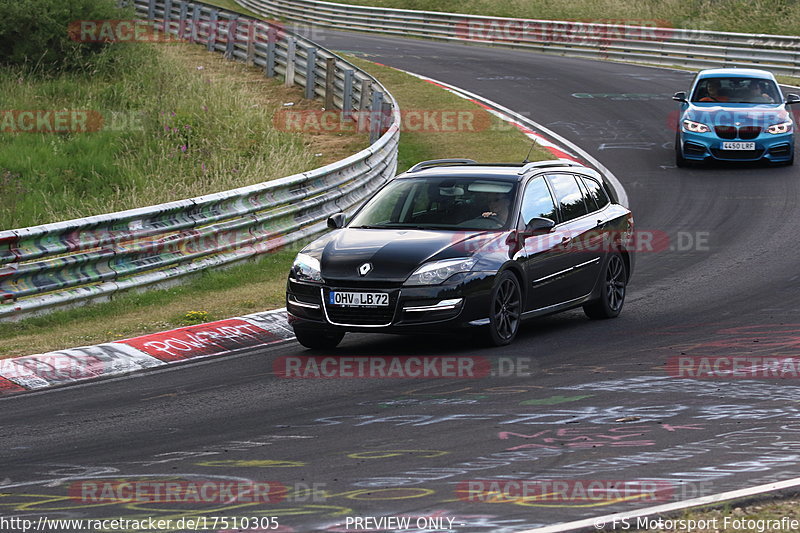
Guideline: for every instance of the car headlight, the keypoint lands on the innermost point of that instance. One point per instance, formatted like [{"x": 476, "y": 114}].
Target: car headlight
[
  {"x": 438, "y": 271},
  {"x": 306, "y": 268},
  {"x": 695, "y": 127},
  {"x": 777, "y": 129}
]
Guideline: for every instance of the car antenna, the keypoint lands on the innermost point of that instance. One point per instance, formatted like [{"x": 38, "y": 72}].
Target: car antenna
[{"x": 529, "y": 153}]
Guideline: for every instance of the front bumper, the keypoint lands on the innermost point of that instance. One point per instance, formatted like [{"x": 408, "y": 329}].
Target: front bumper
[
  {"x": 708, "y": 146},
  {"x": 462, "y": 303}
]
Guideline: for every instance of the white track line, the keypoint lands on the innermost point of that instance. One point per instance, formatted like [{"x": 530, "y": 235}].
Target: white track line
[{"x": 601, "y": 522}]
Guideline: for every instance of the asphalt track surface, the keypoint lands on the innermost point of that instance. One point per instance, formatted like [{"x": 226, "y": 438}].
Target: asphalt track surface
[{"x": 597, "y": 404}]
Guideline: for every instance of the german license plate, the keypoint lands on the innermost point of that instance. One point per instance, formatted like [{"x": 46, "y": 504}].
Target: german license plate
[
  {"x": 358, "y": 299},
  {"x": 738, "y": 146}
]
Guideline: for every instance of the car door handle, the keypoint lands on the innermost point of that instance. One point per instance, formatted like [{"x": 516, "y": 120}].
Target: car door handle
[{"x": 565, "y": 241}]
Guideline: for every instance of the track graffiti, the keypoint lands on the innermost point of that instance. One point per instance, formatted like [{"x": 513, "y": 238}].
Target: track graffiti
[{"x": 614, "y": 437}]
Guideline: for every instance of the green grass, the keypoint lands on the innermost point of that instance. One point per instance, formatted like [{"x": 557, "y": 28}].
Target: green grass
[
  {"x": 781, "y": 17},
  {"x": 231, "y": 5},
  {"x": 177, "y": 123},
  {"x": 765, "y": 511},
  {"x": 489, "y": 138},
  {"x": 259, "y": 285}
]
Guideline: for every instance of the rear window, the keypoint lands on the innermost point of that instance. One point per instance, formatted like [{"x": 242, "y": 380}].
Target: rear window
[
  {"x": 595, "y": 193},
  {"x": 568, "y": 195}
]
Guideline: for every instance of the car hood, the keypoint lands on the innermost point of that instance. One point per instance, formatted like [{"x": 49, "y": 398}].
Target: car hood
[
  {"x": 763, "y": 115},
  {"x": 393, "y": 254}
]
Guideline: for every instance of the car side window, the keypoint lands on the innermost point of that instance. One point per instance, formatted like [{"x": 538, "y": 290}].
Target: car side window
[
  {"x": 537, "y": 201},
  {"x": 595, "y": 193},
  {"x": 568, "y": 195}
]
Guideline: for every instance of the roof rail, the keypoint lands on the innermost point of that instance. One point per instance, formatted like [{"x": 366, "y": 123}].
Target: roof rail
[
  {"x": 546, "y": 164},
  {"x": 438, "y": 162}
]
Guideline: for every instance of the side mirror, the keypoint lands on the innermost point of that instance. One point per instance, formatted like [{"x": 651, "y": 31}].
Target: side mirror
[
  {"x": 336, "y": 221},
  {"x": 792, "y": 99},
  {"x": 538, "y": 225},
  {"x": 679, "y": 96}
]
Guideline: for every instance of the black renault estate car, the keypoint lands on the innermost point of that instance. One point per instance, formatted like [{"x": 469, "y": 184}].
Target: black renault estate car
[{"x": 458, "y": 244}]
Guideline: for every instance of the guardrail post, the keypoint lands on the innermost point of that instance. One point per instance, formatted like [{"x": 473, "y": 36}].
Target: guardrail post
[
  {"x": 347, "y": 93},
  {"x": 363, "y": 101},
  {"x": 195, "y": 22},
  {"x": 291, "y": 53},
  {"x": 363, "y": 106},
  {"x": 182, "y": 20},
  {"x": 167, "y": 25},
  {"x": 386, "y": 112},
  {"x": 213, "y": 25},
  {"x": 232, "y": 29},
  {"x": 269, "y": 66},
  {"x": 375, "y": 117},
  {"x": 311, "y": 71},
  {"x": 251, "y": 41},
  {"x": 151, "y": 10},
  {"x": 330, "y": 82}
]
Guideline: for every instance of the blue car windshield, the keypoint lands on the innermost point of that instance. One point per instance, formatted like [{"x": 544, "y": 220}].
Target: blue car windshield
[
  {"x": 736, "y": 90},
  {"x": 440, "y": 202}
]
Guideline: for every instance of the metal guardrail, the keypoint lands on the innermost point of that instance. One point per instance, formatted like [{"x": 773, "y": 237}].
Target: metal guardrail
[
  {"x": 643, "y": 44},
  {"x": 51, "y": 265}
]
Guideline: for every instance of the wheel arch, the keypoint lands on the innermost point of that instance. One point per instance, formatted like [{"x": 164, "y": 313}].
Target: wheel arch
[{"x": 516, "y": 269}]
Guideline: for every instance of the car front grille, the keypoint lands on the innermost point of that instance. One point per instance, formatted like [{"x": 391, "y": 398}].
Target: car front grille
[
  {"x": 725, "y": 132},
  {"x": 749, "y": 132},
  {"x": 731, "y": 132},
  {"x": 359, "y": 316},
  {"x": 737, "y": 154}
]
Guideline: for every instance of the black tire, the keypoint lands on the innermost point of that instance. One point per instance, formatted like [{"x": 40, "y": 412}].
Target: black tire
[
  {"x": 505, "y": 311},
  {"x": 318, "y": 339},
  {"x": 612, "y": 293},
  {"x": 680, "y": 161}
]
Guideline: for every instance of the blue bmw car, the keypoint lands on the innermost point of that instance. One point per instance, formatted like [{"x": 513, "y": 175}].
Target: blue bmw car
[{"x": 734, "y": 114}]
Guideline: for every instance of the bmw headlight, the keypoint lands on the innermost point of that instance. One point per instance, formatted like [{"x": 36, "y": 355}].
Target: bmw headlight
[
  {"x": 306, "y": 268},
  {"x": 438, "y": 271},
  {"x": 695, "y": 127},
  {"x": 777, "y": 129}
]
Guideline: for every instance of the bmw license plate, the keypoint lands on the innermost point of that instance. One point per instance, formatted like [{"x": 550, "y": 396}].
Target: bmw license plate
[
  {"x": 358, "y": 299},
  {"x": 738, "y": 146}
]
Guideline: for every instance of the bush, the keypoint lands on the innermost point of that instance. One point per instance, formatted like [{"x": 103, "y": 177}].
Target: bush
[{"x": 34, "y": 33}]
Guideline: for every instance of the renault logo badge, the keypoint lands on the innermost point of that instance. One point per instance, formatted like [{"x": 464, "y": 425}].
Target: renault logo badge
[{"x": 365, "y": 269}]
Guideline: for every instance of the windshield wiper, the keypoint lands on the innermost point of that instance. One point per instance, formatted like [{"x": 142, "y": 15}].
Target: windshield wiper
[{"x": 398, "y": 226}]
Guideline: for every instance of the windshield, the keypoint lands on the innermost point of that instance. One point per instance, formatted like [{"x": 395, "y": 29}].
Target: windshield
[
  {"x": 737, "y": 91},
  {"x": 439, "y": 203}
]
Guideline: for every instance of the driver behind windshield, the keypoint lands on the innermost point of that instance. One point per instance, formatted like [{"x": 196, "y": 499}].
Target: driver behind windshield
[
  {"x": 714, "y": 92},
  {"x": 497, "y": 207}
]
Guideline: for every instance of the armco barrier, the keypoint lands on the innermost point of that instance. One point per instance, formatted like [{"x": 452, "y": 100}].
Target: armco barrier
[
  {"x": 645, "y": 44},
  {"x": 47, "y": 266}
]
